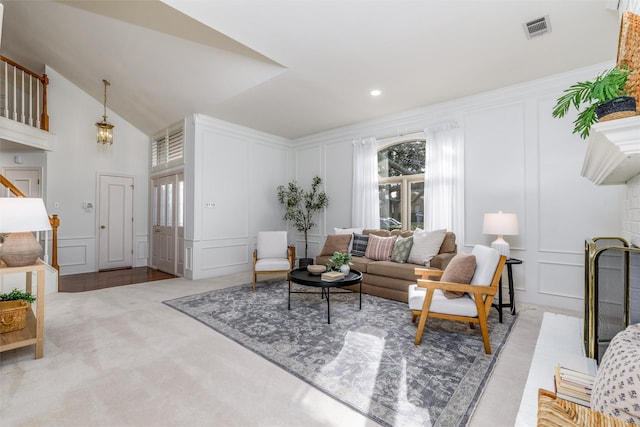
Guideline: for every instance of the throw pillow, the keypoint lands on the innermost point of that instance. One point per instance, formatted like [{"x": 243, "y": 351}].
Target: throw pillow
[
  {"x": 336, "y": 242},
  {"x": 615, "y": 389},
  {"x": 426, "y": 245},
  {"x": 379, "y": 248},
  {"x": 401, "y": 249},
  {"x": 359, "y": 247},
  {"x": 459, "y": 270},
  {"x": 349, "y": 231}
]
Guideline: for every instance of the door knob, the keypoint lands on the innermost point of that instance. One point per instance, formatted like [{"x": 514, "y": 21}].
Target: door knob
[{"x": 103, "y": 227}]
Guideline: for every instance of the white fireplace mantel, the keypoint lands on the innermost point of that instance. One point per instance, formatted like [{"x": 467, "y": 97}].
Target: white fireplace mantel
[{"x": 613, "y": 151}]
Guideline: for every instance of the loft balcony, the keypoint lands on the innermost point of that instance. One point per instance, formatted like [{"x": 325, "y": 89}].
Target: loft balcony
[{"x": 24, "y": 120}]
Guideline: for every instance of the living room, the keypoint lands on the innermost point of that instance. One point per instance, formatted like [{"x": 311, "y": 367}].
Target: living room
[{"x": 517, "y": 159}]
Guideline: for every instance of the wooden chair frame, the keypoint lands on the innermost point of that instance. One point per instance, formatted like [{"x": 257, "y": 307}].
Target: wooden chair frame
[
  {"x": 291, "y": 255},
  {"x": 483, "y": 304}
]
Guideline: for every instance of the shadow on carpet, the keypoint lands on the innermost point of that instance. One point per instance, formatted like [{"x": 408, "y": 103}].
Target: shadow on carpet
[{"x": 364, "y": 358}]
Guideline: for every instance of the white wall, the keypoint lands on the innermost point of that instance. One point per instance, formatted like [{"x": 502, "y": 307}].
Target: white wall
[
  {"x": 72, "y": 170},
  {"x": 231, "y": 175},
  {"x": 517, "y": 159}
]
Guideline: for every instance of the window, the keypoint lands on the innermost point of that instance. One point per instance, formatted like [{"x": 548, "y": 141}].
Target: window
[
  {"x": 167, "y": 148},
  {"x": 401, "y": 185}
]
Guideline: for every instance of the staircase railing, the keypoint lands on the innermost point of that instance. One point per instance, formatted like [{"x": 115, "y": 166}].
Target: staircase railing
[
  {"x": 53, "y": 220},
  {"x": 23, "y": 94}
]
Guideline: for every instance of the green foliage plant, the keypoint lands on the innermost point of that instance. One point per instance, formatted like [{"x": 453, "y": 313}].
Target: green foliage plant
[
  {"x": 301, "y": 206},
  {"x": 605, "y": 87},
  {"x": 17, "y": 295},
  {"x": 338, "y": 259}
]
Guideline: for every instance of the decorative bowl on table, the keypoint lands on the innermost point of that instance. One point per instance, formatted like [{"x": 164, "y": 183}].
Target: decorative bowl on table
[{"x": 316, "y": 269}]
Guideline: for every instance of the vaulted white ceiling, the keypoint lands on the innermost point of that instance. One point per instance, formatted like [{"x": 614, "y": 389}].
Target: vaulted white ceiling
[{"x": 297, "y": 67}]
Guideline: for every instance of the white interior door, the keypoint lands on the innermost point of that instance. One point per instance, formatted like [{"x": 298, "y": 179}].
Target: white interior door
[
  {"x": 115, "y": 233},
  {"x": 167, "y": 220},
  {"x": 26, "y": 180}
]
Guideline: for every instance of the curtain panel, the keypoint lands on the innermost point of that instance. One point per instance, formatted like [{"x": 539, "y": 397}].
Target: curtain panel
[
  {"x": 444, "y": 178},
  {"x": 365, "y": 208}
]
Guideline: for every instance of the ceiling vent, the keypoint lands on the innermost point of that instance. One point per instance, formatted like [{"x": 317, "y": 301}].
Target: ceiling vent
[{"x": 537, "y": 27}]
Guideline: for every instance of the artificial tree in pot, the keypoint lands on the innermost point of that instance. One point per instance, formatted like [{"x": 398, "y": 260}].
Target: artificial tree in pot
[{"x": 301, "y": 206}]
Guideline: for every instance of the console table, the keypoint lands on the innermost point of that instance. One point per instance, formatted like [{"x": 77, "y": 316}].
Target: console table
[{"x": 33, "y": 333}]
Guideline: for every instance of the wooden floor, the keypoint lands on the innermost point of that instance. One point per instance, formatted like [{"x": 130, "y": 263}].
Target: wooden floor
[{"x": 108, "y": 279}]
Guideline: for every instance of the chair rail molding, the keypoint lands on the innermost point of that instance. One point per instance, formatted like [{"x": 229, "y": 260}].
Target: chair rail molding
[{"x": 613, "y": 151}]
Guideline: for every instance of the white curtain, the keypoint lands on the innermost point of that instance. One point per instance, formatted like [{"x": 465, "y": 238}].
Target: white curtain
[
  {"x": 365, "y": 208},
  {"x": 631, "y": 5},
  {"x": 444, "y": 178}
]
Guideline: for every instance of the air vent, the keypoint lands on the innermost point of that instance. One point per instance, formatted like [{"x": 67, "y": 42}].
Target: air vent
[{"x": 537, "y": 27}]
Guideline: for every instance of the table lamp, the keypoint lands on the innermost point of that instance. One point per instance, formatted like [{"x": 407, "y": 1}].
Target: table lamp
[
  {"x": 20, "y": 216},
  {"x": 500, "y": 224}
]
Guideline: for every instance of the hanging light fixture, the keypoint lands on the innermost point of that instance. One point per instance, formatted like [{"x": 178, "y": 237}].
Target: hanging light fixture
[{"x": 104, "y": 128}]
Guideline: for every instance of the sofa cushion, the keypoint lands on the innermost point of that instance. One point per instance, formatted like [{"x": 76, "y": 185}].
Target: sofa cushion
[
  {"x": 460, "y": 270},
  {"x": 401, "y": 249},
  {"x": 381, "y": 233},
  {"x": 405, "y": 271},
  {"x": 617, "y": 382},
  {"x": 359, "y": 244},
  {"x": 336, "y": 243},
  {"x": 449, "y": 243},
  {"x": 348, "y": 231},
  {"x": 426, "y": 245},
  {"x": 379, "y": 248},
  {"x": 486, "y": 261},
  {"x": 464, "y": 306}
]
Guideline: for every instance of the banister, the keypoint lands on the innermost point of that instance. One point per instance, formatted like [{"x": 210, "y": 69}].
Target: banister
[
  {"x": 44, "y": 81},
  {"x": 15, "y": 190},
  {"x": 53, "y": 220},
  {"x": 25, "y": 69}
]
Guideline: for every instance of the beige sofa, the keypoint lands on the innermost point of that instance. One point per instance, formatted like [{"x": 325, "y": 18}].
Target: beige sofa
[{"x": 390, "y": 279}]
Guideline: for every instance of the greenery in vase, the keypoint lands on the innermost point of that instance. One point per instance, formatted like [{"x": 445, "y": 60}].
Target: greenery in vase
[
  {"x": 338, "y": 259},
  {"x": 301, "y": 206},
  {"x": 606, "y": 87},
  {"x": 17, "y": 295}
]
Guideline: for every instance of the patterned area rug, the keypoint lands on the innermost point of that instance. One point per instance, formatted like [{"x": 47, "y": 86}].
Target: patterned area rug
[{"x": 364, "y": 358}]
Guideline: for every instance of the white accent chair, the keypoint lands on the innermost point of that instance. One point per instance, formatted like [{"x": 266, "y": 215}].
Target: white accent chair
[
  {"x": 272, "y": 255},
  {"x": 426, "y": 298}
]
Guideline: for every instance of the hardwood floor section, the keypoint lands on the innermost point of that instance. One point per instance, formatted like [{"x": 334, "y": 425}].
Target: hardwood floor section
[{"x": 108, "y": 279}]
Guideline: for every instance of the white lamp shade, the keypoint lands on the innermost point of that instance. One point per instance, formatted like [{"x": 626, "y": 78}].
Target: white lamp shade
[
  {"x": 22, "y": 214},
  {"x": 501, "y": 224}
]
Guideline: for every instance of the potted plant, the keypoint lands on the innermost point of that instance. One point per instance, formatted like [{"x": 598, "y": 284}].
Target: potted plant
[
  {"x": 300, "y": 207},
  {"x": 340, "y": 261},
  {"x": 13, "y": 310},
  {"x": 604, "y": 95}
]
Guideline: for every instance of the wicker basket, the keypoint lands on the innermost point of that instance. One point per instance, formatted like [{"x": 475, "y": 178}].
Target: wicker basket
[
  {"x": 629, "y": 52},
  {"x": 13, "y": 315},
  {"x": 556, "y": 412}
]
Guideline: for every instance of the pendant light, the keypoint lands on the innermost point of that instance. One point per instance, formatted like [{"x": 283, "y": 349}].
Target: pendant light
[{"x": 104, "y": 128}]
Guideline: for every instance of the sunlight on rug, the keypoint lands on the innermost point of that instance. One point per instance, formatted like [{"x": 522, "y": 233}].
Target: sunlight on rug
[{"x": 364, "y": 358}]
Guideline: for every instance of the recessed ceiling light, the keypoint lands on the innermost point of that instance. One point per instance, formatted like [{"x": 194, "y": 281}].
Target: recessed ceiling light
[{"x": 376, "y": 92}]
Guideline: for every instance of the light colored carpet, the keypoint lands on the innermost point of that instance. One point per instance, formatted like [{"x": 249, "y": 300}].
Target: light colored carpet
[{"x": 119, "y": 357}]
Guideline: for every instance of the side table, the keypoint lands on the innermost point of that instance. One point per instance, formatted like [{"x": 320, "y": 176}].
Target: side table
[
  {"x": 512, "y": 304},
  {"x": 33, "y": 333}
]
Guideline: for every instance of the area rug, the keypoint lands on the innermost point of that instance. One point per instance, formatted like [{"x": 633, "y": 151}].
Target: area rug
[{"x": 364, "y": 358}]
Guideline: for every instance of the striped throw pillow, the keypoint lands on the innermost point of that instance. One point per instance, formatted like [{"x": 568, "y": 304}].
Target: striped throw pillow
[{"x": 380, "y": 248}]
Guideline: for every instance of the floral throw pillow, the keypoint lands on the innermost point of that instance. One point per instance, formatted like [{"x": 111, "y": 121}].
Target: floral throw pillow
[
  {"x": 401, "y": 249},
  {"x": 379, "y": 248}
]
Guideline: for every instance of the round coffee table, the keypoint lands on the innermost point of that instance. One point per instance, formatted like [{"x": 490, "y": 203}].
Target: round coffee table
[{"x": 302, "y": 277}]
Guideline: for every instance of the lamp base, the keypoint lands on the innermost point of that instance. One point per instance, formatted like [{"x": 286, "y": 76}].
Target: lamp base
[
  {"x": 20, "y": 249},
  {"x": 502, "y": 246}
]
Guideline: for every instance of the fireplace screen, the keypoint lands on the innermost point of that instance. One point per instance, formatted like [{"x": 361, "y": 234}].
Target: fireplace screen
[{"x": 607, "y": 291}]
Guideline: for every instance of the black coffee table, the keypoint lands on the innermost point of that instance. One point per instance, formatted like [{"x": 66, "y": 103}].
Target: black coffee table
[{"x": 302, "y": 277}]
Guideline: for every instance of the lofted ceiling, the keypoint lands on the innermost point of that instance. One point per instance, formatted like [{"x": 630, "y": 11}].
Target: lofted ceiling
[{"x": 297, "y": 67}]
